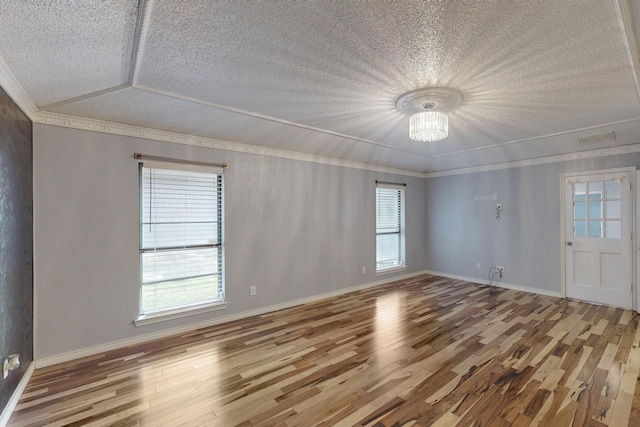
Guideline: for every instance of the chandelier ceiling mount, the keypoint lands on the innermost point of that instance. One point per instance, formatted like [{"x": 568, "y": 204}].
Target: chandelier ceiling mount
[{"x": 428, "y": 108}]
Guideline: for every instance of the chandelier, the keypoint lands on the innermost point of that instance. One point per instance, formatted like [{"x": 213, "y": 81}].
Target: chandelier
[{"x": 429, "y": 121}]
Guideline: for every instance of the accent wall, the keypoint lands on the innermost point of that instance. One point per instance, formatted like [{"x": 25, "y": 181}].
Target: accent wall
[{"x": 16, "y": 242}]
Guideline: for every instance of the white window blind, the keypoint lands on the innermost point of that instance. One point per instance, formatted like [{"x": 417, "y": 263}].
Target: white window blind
[
  {"x": 390, "y": 233},
  {"x": 181, "y": 217}
]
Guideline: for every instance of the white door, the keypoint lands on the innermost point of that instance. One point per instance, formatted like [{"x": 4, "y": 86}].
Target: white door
[{"x": 598, "y": 238}]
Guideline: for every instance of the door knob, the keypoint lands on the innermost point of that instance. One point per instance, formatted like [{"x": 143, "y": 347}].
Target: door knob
[{"x": 569, "y": 243}]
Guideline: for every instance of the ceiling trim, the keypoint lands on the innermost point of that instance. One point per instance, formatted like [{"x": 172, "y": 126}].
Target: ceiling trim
[
  {"x": 535, "y": 138},
  {"x": 139, "y": 39},
  {"x": 86, "y": 96},
  {"x": 14, "y": 89},
  {"x": 82, "y": 123},
  {"x": 578, "y": 155},
  {"x": 625, "y": 21},
  {"x": 273, "y": 119}
]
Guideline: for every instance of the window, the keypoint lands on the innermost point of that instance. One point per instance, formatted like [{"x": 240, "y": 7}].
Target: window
[
  {"x": 389, "y": 227},
  {"x": 596, "y": 209},
  {"x": 181, "y": 230}
]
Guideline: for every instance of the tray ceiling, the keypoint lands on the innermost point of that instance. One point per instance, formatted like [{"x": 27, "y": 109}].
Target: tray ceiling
[{"x": 322, "y": 77}]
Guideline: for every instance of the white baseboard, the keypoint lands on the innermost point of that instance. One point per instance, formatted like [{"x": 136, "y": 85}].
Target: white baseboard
[
  {"x": 114, "y": 345},
  {"x": 15, "y": 397},
  {"x": 500, "y": 285}
]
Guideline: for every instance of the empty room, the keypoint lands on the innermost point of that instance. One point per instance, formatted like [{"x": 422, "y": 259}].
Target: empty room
[{"x": 319, "y": 213}]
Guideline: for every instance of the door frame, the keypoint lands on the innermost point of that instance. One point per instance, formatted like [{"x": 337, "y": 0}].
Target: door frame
[
  {"x": 635, "y": 256},
  {"x": 635, "y": 249}
]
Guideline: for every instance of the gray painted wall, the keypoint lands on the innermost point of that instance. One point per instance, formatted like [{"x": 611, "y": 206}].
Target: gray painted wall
[
  {"x": 462, "y": 231},
  {"x": 293, "y": 229},
  {"x": 16, "y": 231}
]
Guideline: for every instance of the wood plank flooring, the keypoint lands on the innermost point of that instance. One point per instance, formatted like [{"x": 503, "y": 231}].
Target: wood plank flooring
[{"x": 421, "y": 352}]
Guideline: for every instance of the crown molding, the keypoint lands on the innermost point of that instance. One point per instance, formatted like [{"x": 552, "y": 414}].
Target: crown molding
[
  {"x": 61, "y": 120},
  {"x": 14, "y": 89},
  {"x": 578, "y": 155},
  {"x": 81, "y": 123}
]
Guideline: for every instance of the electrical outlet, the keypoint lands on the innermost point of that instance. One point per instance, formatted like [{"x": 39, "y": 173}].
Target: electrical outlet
[
  {"x": 252, "y": 290},
  {"x": 499, "y": 207},
  {"x": 477, "y": 265},
  {"x": 364, "y": 270},
  {"x": 500, "y": 269},
  {"x": 10, "y": 364}
]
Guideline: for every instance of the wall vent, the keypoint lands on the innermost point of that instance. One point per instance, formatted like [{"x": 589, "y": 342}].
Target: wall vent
[{"x": 601, "y": 137}]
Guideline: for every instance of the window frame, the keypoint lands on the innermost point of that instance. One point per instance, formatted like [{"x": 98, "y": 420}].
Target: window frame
[
  {"x": 219, "y": 301},
  {"x": 596, "y": 197},
  {"x": 400, "y": 190}
]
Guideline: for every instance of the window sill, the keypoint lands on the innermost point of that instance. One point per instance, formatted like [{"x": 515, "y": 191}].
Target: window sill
[
  {"x": 390, "y": 270},
  {"x": 177, "y": 313}
]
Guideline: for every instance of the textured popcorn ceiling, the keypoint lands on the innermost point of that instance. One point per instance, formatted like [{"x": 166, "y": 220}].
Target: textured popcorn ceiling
[
  {"x": 61, "y": 49},
  {"x": 322, "y": 77}
]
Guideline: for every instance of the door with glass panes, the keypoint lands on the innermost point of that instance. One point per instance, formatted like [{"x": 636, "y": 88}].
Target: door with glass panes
[{"x": 598, "y": 238}]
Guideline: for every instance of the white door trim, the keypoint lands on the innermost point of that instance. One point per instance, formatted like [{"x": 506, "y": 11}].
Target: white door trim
[
  {"x": 635, "y": 195},
  {"x": 635, "y": 248}
]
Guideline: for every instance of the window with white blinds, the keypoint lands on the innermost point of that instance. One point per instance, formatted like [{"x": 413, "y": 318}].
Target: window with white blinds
[
  {"x": 390, "y": 235},
  {"x": 181, "y": 258}
]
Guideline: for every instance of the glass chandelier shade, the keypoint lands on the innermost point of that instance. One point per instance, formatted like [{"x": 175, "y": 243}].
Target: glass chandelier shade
[{"x": 428, "y": 126}]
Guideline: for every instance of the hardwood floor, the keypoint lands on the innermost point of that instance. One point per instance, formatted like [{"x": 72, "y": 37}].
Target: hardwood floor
[{"x": 419, "y": 352}]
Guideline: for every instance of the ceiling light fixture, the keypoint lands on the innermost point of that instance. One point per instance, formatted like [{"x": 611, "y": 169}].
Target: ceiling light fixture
[{"x": 428, "y": 107}]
